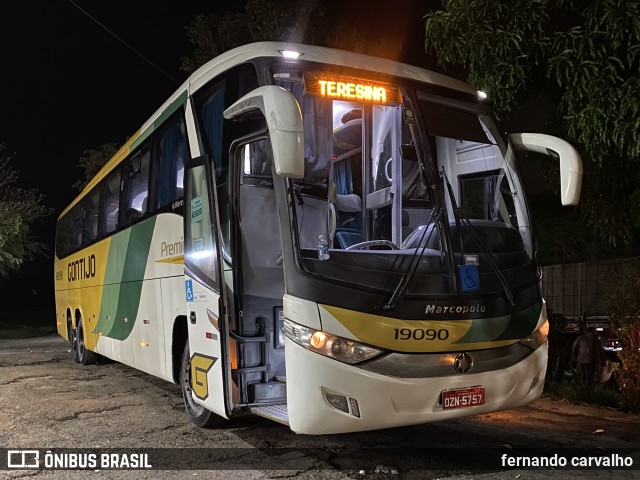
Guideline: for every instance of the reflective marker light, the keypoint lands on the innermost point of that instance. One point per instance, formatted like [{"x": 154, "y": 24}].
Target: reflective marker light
[
  {"x": 482, "y": 95},
  {"x": 343, "y": 349},
  {"x": 355, "y": 408},
  {"x": 290, "y": 54}
]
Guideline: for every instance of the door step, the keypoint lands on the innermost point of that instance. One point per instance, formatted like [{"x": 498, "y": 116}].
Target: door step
[{"x": 277, "y": 413}]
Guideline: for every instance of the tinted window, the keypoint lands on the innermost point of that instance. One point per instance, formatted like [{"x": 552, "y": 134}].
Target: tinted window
[
  {"x": 90, "y": 223},
  {"x": 110, "y": 203},
  {"x": 135, "y": 187},
  {"x": 170, "y": 152}
]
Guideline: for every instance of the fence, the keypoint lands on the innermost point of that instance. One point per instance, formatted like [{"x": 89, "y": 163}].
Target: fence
[{"x": 588, "y": 287}]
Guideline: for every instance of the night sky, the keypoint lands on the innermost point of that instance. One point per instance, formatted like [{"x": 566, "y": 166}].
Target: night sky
[{"x": 68, "y": 86}]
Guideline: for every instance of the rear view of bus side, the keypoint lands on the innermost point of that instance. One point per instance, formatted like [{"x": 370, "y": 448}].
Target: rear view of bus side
[{"x": 330, "y": 240}]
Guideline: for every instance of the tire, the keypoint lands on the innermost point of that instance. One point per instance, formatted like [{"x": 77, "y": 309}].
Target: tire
[
  {"x": 71, "y": 333},
  {"x": 84, "y": 355},
  {"x": 199, "y": 415}
]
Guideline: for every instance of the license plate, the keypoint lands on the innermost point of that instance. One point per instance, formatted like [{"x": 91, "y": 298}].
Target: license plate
[{"x": 462, "y": 398}]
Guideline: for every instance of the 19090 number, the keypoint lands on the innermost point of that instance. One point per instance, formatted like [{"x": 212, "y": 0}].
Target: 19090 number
[{"x": 420, "y": 334}]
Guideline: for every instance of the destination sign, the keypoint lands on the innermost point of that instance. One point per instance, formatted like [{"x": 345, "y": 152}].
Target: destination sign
[{"x": 350, "y": 88}]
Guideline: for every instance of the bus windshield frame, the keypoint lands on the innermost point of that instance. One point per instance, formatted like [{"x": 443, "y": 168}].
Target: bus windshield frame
[{"x": 400, "y": 140}]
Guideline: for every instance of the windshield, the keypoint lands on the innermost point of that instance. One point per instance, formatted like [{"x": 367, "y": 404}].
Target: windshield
[{"x": 376, "y": 165}]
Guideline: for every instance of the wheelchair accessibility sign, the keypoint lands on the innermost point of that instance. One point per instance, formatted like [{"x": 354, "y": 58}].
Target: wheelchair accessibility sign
[
  {"x": 191, "y": 295},
  {"x": 188, "y": 285}
]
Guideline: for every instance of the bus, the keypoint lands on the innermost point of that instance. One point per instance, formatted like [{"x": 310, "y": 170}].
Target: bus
[{"x": 331, "y": 240}]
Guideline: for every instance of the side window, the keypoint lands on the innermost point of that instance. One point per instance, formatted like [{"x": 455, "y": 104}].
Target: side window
[
  {"x": 135, "y": 187},
  {"x": 211, "y": 126},
  {"x": 90, "y": 224},
  {"x": 256, "y": 163},
  {"x": 170, "y": 153},
  {"x": 77, "y": 220},
  {"x": 202, "y": 255},
  {"x": 63, "y": 236},
  {"x": 109, "y": 203},
  {"x": 216, "y": 133},
  {"x": 487, "y": 196}
]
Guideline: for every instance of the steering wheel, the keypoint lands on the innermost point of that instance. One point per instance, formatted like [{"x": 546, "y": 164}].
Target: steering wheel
[
  {"x": 331, "y": 222},
  {"x": 370, "y": 243}
]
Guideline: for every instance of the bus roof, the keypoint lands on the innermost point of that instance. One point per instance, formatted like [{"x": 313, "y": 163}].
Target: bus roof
[{"x": 250, "y": 51}]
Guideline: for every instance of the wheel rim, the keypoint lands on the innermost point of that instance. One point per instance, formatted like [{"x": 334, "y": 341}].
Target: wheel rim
[
  {"x": 73, "y": 340},
  {"x": 80, "y": 341},
  {"x": 192, "y": 407}
]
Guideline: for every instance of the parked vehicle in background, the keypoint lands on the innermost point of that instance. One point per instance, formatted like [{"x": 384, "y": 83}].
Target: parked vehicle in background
[{"x": 563, "y": 331}]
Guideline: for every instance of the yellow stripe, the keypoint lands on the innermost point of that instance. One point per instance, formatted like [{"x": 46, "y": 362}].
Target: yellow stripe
[
  {"x": 417, "y": 336},
  {"x": 173, "y": 260},
  {"x": 78, "y": 284},
  {"x": 104, "y": 171}
]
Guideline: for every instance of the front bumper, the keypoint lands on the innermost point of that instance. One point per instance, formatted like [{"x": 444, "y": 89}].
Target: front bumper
[{"x": 385, "y": 401}]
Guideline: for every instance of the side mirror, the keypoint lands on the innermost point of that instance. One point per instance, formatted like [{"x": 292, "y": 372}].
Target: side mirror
[
  {"x": 284, "y": 120},
  {"x": 570, "y": 161}
]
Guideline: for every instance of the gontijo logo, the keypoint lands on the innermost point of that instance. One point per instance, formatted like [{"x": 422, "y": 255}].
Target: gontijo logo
[{"x": 82, "y": 268}]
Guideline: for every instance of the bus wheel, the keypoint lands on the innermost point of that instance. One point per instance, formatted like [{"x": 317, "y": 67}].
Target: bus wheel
[
  {"x": 71, "y": 333},
  {"x": 197, "y": 413},
  {"x": 84, "y": 355}
]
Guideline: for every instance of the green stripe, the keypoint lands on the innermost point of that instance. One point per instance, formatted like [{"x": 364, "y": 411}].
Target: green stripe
[
  {"x": 508, "y": 327},
  {"x": 126, "y": 264},
  {"x": 522, "y": 323},
  {"x": 485, "y": 329},
  {"x": 173, "y": 106}
]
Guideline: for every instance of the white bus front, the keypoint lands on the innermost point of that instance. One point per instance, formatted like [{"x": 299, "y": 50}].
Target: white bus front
[{"x": 391, "y": 279}]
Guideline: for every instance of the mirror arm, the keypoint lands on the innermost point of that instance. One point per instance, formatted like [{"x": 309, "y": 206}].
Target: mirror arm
[
  {"x": 284, "y": 121},
  {"x": 570, "y": 161}
]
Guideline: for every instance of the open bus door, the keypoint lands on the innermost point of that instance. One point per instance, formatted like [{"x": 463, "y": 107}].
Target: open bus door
[
  {"x": 206, "y": 375},
  {"x": 205, "y": 371}
]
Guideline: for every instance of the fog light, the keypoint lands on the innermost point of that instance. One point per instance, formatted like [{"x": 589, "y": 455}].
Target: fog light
[{"x": 338, "y": 401}]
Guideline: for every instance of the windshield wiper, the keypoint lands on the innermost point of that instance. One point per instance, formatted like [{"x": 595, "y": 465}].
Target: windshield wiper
[
  {"x": 460, "y": 217},
  {"x": 401, "y": 288}
]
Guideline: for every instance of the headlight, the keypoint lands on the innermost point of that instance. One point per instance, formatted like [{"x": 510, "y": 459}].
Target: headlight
[
  {"x": 345, "y": 350},
  {"x": 537, "y": 338}
]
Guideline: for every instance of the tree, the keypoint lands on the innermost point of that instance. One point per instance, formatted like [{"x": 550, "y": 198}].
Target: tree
[
  {"x": 625, "y": 318},
  {"x": 582, "y": 60},
  {"x": 19, "y": 209},
  {"x": 93, "y": 160},
  {"x": 288, "y": 20},
  {"x": 297, "y": 21}
]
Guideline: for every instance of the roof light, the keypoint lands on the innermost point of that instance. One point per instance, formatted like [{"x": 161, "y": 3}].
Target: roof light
[
  {"x": 482, "y": 95},
  {"x": 290, "y": 54}
]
